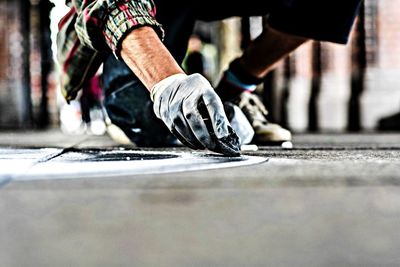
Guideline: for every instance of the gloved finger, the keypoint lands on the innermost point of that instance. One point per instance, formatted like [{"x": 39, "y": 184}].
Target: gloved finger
[
  {"x": 184, "y": 130},
  {"x": 163, "y": 113},
  {"x": 198, "y": 127},
  {"x": 182, "y": 139},
  {"x": 215, "y": 109}
]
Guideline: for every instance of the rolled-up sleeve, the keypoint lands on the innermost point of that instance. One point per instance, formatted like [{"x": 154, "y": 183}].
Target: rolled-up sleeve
[
  {"x": 93, "y": 29},
  {"x": 102, "y": 24}
]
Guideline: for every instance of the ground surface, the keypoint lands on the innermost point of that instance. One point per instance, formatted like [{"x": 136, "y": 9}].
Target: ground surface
[{"x": 333, "y": 200}]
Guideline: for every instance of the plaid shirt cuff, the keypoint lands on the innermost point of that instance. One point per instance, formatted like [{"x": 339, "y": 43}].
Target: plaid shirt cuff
[
  {"x": 126, "y": 17},
  {"x": 102, "y": 25}
]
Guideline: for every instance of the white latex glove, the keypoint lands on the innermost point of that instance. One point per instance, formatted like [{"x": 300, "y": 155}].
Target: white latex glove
[{"x": 194, "y": 113}]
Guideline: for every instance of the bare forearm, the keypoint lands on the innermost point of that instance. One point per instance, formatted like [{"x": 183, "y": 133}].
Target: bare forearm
[
  {"x": 147, "y": 57},
  {"x": 270, "y": 47}
]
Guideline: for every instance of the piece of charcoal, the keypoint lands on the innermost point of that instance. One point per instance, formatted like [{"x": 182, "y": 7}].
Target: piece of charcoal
[{"x": 227, "y": 145}]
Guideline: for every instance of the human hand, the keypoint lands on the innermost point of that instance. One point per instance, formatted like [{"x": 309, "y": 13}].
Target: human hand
[{"x": 194, "y": 113}]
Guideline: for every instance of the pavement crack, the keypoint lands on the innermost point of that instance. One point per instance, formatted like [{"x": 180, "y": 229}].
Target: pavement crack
[
  {"x": 6, "y": 179},
  {"x": 53, "y": 156}
]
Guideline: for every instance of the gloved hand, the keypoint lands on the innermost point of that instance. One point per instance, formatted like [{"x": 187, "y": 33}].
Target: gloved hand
[{"x": 194, "y": 113}]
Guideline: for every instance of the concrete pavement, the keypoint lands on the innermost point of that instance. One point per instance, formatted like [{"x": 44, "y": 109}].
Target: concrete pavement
[{"x": 333, "y": 200}]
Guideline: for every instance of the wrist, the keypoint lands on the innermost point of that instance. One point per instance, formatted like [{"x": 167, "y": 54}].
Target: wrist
[{"x": 164, "y": 83}]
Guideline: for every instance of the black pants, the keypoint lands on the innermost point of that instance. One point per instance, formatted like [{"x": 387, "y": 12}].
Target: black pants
[{"x": 127, "y": 100}]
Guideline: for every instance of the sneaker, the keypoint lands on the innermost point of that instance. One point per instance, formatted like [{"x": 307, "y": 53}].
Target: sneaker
[
  {"x": 390, "y": 123},
  {"x": 256, "y": 113}
]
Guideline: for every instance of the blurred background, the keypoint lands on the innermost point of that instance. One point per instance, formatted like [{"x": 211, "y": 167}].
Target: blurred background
[{"x": 322, "y": 87}]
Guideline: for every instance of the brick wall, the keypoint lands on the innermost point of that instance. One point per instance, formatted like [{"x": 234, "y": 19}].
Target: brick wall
[{"x": 14, "y": 88}]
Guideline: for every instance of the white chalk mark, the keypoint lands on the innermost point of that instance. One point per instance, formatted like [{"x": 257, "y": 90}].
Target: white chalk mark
[{"x": 80, "y": 165}]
